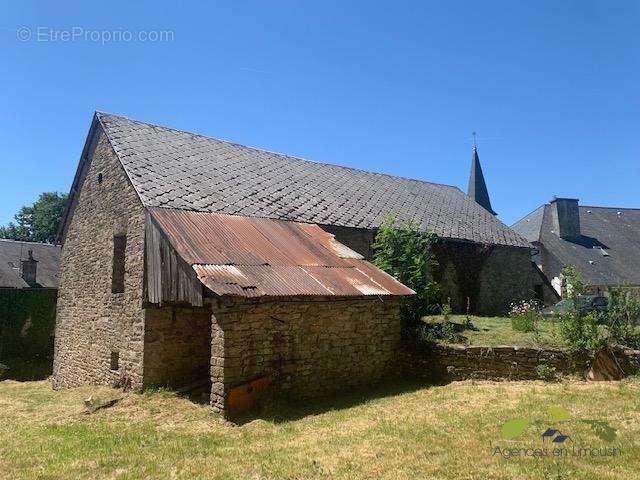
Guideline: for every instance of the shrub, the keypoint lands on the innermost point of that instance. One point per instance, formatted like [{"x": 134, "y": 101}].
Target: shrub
[
  {"x": 406, "y": 253},
  {"x": 623, "y": 316},
  {"x": 588, "y": 332},
  {"x": 584, "y": 333},
  {"x": 524, "y": 316},
  {"x": 448, "y": 332},
  {"x": 546, "y": 372},
  {"x": 446, "y": 310}
]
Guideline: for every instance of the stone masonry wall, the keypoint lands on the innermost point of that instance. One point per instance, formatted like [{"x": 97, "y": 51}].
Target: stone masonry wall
[
  {"x": 457, "y": 362},
  {"x": 309, "y": 347},
  {"x": 490, "y": 277},
  {"x": 177, "y": 346},
  {"x": 92, "y": 323},
  {"x": 506, "y": 277}
]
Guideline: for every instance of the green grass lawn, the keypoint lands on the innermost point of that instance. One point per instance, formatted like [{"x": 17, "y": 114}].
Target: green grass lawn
[
  {"x": 495, "y": 331},
  {"x": 443, "y": 432}
]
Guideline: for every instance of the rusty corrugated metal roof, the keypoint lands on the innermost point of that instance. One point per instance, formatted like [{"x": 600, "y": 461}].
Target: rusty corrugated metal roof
[{"x": 254, "y": 257}]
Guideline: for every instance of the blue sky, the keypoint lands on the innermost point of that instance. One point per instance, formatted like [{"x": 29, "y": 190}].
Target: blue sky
[{"x": 552, "y": 88}]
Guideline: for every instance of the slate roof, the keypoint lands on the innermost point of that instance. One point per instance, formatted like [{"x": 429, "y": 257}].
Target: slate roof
[
  {"x": 614, "y": 231},
  {"x": 477, "y": 186},
  {"x": 11, "y": 252},
  {"x": 175, "y": 169}
]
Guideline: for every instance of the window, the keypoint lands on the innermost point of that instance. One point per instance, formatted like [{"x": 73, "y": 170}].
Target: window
[
  {"x": 117, "y": 277},
  {"x": 115, "y": 360}
]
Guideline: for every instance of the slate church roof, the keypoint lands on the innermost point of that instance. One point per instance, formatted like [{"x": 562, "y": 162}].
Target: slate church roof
[
  {"x": 180, "y": 170},
  {"x": 11, "y": 254},
  {"x": 606, "y": 253},
  {"x": 477, "y": 186}
]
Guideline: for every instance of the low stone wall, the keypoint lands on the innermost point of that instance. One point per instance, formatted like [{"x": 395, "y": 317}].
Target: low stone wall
[{"x": 458, "y": 362}]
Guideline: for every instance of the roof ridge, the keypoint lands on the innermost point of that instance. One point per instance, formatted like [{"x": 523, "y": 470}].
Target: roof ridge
[
  {"x": 99, "y": 114},
  {"x": 526, "y": 215},
  {"x": 27, "y": 241},
  {"x": 609, "y": 208}
]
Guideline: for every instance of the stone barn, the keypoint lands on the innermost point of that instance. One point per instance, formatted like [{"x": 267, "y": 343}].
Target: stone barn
[
  {"x": 154, "y": 296},
  {"x": 187, "y": 257}
]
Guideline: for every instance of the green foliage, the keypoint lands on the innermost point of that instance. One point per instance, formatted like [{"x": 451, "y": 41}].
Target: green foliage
[
  {"x": 446, "y": 310},
  {"x": 546, "y": 373},
  {"x": 38, "y": 222},
  {"x": 573, "y": 281},
  {"x": 523, "y": 323},
  {"x": 588, "y": 332},
  {"x": 406, "y": 253},
  {"x": 27, "y": 324},
  {"x": 583, "y": 333},
  {"x": 524, "y": 316},
  {"x": 623, "y": 316}
]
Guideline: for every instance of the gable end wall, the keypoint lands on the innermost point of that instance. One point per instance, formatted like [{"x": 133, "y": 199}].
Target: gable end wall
[{"x": 91, "y": 321}]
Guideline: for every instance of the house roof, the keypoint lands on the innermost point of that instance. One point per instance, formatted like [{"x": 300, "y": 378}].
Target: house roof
[
  {"x": 608, "y": 251},
  {"x": 12, "y": 252},
  {"x": 254, "y": 257},
  {"x": 180, "y": 170}
]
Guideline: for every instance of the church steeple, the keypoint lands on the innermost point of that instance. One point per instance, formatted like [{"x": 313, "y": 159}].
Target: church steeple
[{"x": 477, "y": 186}]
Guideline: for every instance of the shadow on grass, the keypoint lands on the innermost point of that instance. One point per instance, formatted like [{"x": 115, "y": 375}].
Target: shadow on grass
[{"x": 281, "y": 411}]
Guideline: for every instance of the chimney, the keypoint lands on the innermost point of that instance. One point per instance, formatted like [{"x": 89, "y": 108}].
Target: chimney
[
  {"x": 29, "y": 268},
  {"x": 566, "y": 217}
]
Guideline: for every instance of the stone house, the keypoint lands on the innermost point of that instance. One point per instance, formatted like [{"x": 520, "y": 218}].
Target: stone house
[
  {"x": 187, "y": 257},
  {"x": 602, "y": 243}
]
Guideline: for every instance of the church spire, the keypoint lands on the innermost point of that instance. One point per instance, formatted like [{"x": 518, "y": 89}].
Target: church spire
[{"x": 477, "y": 186}]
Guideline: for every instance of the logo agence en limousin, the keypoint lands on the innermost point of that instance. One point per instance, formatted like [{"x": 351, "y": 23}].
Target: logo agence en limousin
[{"x": 553, "y": 442}]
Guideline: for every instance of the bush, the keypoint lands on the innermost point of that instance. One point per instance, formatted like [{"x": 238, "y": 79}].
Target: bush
[
  {"x": 546, "y": 373},
  {"x": 524, "y": 316},
  {"x": 406, "y": 253},
  {"x": 623, "y": 316},
  {"x": 588, "y": 333},
  {"x": 446, "y": 331},
  {"x": 584, "y": 333}
]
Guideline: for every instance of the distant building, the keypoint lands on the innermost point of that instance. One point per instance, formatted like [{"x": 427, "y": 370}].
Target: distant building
[
  {"x": 28, "y": 290},
  {"x": 603, "y": 243},
  {"x": 28, "y": 264}
]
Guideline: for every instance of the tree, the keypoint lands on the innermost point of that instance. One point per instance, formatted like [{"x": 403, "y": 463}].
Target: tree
[
  {"x": 38, "y": 222},
  {"x": 406, "y": 253}
]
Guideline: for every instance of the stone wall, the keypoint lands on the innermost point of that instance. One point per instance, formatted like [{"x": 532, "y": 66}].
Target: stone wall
[
  {"x": 488, "y": 277},
  {"x": 308, "y": 347},
  {"x": 177, "y": 346},
  {"x": 358, "y": 239},
  {"x": 457, "y": 362},
  {"x": 93, "y": 325}
]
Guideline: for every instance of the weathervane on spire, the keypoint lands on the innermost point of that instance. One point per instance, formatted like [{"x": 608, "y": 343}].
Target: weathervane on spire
[{"x": 475, "y": 144}]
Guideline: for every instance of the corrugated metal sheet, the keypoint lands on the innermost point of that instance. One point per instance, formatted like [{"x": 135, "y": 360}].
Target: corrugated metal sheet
[{"x": 254, "y": 257}]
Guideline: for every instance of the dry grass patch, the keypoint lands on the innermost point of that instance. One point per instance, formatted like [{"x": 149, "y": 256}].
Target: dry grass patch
[{"x": 437, "y": 432}]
